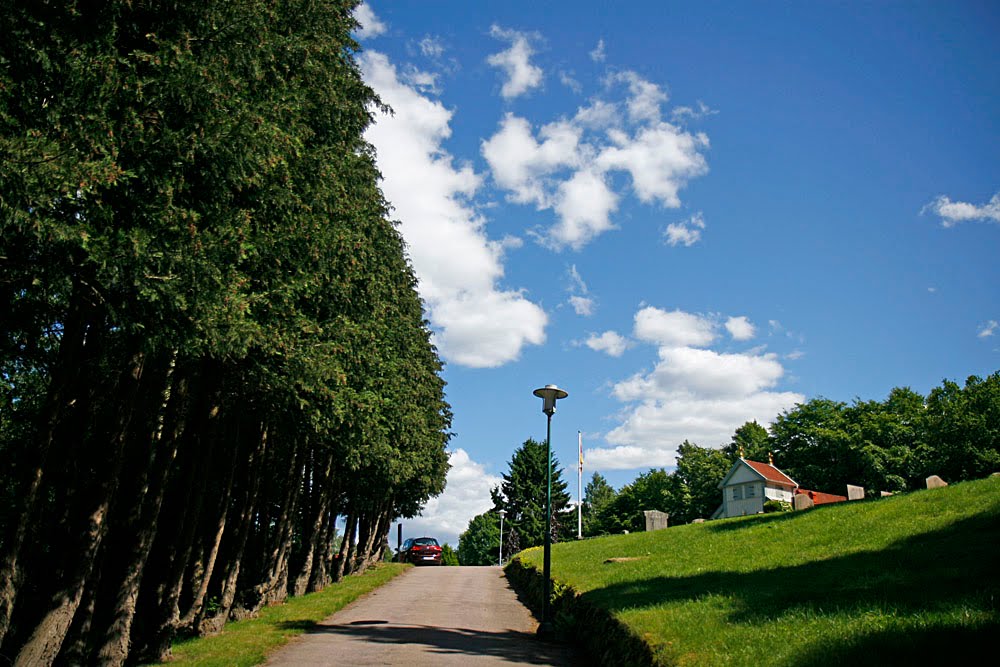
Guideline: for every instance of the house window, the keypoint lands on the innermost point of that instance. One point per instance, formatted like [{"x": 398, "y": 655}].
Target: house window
[
  {"x": 750, "y": 491},
  {"x": 736, "y": 493}
]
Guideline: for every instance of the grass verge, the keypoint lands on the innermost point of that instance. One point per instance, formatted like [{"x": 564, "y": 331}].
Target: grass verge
[
  {"x": 246, "y": 643},
  {"x": 901, "y": 580}
]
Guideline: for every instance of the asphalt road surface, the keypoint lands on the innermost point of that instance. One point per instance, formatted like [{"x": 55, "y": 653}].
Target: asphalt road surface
[{"x": 429, "y": 616}]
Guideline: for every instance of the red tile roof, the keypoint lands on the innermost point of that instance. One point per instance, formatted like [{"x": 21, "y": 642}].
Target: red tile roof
[
  {"x": 820, "y": 498},
  {"x": 770, "y": 473}
]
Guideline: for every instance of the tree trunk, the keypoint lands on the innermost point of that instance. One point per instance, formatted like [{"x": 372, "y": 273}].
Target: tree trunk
[
  {"x": 181, "y": 518},
  {"x": 340, "y": 567},
  {"x": 47, "y": 637},
  {"x": 141, "y": 528},
  {"x": 244, "y": 510},
  {"x": 312, "y": 539},
  {"x": 273, "y": 586},
  {"x": 64, "y": 387}
]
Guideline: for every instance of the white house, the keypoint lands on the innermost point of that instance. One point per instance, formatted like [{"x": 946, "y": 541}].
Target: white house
[{"x": 748, "y": 485}]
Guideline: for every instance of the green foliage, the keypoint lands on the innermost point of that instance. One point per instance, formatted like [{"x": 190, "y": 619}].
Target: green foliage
[
  {"x": 752, "y": 440},
  {"x": 523, "y": 495},
  {"x": 963, "y": 429},
  {"x": 449, "y": 556},
  {"x": 480, "y": 543},
  {"x": 653, "y": 490},
  {"x": 699, "y": 470},
  {"x": 777, "y": 506},
  {"x": 842, "y": 584},
  {"x": 598, "y": 497}
]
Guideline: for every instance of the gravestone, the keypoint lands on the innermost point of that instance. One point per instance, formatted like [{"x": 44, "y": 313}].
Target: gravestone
[
  {"x": 656, "y": 520},
  {"x": 855, "y": 492},
  {"x": 698, "y": 521},
  {"x": 886, "y": 494},
  {"x": 802, "y": 502},
  {"x": 935, "y": 482}
]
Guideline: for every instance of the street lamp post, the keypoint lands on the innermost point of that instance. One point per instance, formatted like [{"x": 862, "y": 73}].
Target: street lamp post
[
  {"x": 503, "y": 513},
  {"x": 549, "y": 395}
]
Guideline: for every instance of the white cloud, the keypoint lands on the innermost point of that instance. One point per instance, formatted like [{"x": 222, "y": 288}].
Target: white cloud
[
  {"x": 477, "y": 322},
  {"x": 682, "y": 114},
  {"x": 598, "y": 55},
  {"x": 567, "y": 165},
  {"x": 582, "y": 305},
  {"x": 584, "y": 204},
  {"x": 578, "y": 284},
  {"x": 740, "y": 328},
  {"x": 520, "y": 164},
  {"x": 522, "y": 76},
  {"x": 610, "y": 342},
  {"x": 466, "y": 494},
  {"x": 660, "y": 159},
  {"x": 645, "y": 97},
  {"x": 685, "y": 233},
  {"x": 673, "y": 329},
  {"x": 431, "y": 47},
  {"x": 425, "y": 82},
  {"x": 692, "y": 393},
  {"x": 371, "y": 26},
  {"x": 954, "y": 212},
  {"x": 566, "y": 79},
  {"x": 988, "y": 329}
]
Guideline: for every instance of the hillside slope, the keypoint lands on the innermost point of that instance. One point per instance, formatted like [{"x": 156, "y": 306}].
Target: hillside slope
[{"x": 887, "y": 581}]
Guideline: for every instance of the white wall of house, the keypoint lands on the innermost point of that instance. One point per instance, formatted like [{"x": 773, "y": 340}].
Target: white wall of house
[
  {"x": 744, "y": 498},
  {"x": 775, "y": 492}
]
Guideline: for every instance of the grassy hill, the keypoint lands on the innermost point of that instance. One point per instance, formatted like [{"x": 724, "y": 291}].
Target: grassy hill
[{"x": 908, "y": 579}]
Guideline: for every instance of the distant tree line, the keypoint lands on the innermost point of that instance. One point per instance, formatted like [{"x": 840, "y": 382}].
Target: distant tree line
[
  {"x": 890, "y": 445},
  {"x": 212, "y": 351}
]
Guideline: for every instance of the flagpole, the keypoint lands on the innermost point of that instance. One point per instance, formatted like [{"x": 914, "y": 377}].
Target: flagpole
[{"x": 579, "y": 491}]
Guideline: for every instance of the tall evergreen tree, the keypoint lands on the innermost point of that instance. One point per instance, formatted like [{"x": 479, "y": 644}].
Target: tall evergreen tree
[
  {"x": 597, "y": 498},
  {"x": 523, "y": 495}
]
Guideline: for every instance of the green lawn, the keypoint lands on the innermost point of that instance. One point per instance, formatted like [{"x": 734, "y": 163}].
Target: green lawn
[
  {"x": 246, "y": 643},
  {"x": 898, "y": 580}
]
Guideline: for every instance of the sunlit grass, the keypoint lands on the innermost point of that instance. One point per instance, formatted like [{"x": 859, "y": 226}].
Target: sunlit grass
[
  {"x": 877, "y": 582},
  {"x": 246, "y": 643}
]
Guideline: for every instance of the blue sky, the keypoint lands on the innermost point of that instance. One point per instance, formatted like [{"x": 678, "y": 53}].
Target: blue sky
[{"x": 686, "y": 215}]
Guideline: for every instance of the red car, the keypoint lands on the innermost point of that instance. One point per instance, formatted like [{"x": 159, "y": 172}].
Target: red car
[{"x": 421, "y": 551}]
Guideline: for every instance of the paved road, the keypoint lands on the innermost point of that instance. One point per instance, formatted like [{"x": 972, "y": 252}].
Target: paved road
[{"x": 429, "y": 616}]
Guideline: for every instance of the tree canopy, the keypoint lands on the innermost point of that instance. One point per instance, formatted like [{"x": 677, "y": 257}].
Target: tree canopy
[
  {"x": 523, "y": 495},
  {"x": 212, "y": 347}
]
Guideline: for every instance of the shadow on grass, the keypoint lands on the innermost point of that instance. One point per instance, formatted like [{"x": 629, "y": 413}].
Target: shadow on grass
[
  {"x": 940, "y": 645},
  {"x": 511, "y": 646},
  {"x": 938, "y": 571}
]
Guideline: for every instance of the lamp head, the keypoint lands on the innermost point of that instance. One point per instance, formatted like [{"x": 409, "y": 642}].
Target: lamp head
[{"x": 549, "y": 395}]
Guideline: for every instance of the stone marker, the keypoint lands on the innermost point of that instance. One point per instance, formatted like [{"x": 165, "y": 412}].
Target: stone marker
[
  {"x": 935, "y": 482},
  {"x": 656, "y": 520},
  {"x": 855, "y": 492},
  {"x": 802, "y": 502},
  {"x": 698, "y": 521},
  {"x": 886, "y": 494}
]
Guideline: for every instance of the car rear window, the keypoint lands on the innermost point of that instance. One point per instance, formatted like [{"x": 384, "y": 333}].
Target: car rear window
[{"x": 426, "y": 542}]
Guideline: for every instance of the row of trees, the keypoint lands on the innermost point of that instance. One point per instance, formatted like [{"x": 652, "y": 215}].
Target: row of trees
[
  {"x": 212, "y": 351},
  {"x": 890, "y": 445}
]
